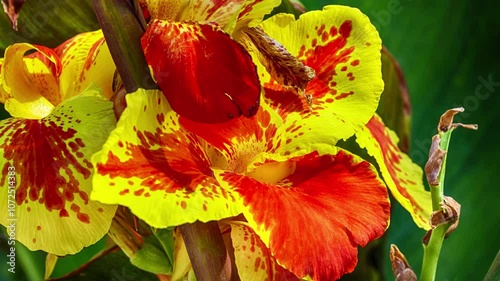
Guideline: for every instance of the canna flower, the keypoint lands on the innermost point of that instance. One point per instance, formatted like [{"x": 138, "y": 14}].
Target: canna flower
[
  {"x": 310, "y": 203},
  {"x": 60, "y": 116}
]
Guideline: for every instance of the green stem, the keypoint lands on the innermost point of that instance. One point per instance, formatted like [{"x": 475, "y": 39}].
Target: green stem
[
  {"x": 122, "y": 30},
  {"x": 207, "y": 252},
  {"x": 433, "y": 248}
]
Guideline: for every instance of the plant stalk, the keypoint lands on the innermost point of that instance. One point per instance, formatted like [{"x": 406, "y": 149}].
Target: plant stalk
[{"x": 207, "y": 252}]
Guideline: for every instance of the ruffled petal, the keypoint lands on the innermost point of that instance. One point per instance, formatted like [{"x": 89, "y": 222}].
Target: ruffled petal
[
  {"x": 149, "y": 160},
  {"x": 205, "y": 75},
  {"x": 403, "y": 177},
  {"x": 252, "y": 257},
  {"x": 343, "y": 48},
  {"x": 52, "y": 184},
  {"x": 333, "y": 202},
  {"x": 31, "y": 80},
  {"x": 85, "y": 59}
]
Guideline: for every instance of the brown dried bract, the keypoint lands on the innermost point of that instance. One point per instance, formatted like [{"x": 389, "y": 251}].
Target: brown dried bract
[
  {"x": 449, "y": 213},
  {"x": 446, "y": 121},
  {"x": 433, "y": 165},
  {"x": 283, "y": 67},
  {"x": 400, "y": 267},
  {"x": 12, "y": 9}
]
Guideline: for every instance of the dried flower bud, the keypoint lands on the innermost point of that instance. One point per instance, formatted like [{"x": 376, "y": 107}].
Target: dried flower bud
[
  {"x": 400, "y": 267},
  {"x": 433, "y": 166},
  {"x": 12, "y": 9},
  {"x": 450, "y": 213},
  {"x": 446, "y": 121}
]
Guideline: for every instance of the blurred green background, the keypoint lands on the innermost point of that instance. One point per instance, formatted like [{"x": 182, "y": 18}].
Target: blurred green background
[{"x": 448, "y": 51}]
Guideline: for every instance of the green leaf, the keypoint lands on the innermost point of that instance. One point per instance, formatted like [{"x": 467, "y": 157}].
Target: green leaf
[
  {"x": 166, "y": 239},
  {"x": 48, "y": 23},
  {"x": 123, "y": 28},
  {"x": 394, "y": 106},
  {"x": 152, "y": 259},
  {"x": 111, "y": 264}
]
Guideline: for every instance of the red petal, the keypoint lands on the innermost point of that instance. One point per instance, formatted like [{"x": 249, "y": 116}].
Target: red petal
[
  {"x": 205, "y": 75},
  {"x": 314, "y": 219}
]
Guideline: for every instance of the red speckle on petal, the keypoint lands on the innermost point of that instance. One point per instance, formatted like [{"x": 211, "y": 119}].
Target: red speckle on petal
[
  {"x": 344, "y": 95},
  {"x": 34, "y": 240},
  {"x": 75, "y": 208},
  {"x": 321, "y": 29},
  {"x": 83, "y": 218},
  {"x": 63, "y": 213},
  {"x": 183, "y": 204},
  {"x": 344, "y": 68},
  {"x": 355, "y": 62},
  {"x": 346, "y": 28},
  {"x": 125, "y": 191},
  {"x": 38, "y": 228},
  {"x": 139, "y": 192},
  {"x": 333, "y": 31},
  {"x": 160, "y": 118},
  {"x": 257, "y": 264},
  {"x": 100, "y": 210}
]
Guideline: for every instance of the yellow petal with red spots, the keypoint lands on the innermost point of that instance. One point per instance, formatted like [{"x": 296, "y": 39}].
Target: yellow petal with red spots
[
  {"x": 31, "y": 80},
  {"x": 85, "y": 60},
  {"x": 158, "y": 169},
  {"x": 333, "y": 202},
  {"x": 49, "y": 204},
  {"x": 403, "y": 177},
  {"x": 343, "y": 48},
  {"x": 252, "y": 257}
]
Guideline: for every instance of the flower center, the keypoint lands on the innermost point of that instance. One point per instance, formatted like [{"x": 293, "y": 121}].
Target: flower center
[{"x": 273, "y": 173}]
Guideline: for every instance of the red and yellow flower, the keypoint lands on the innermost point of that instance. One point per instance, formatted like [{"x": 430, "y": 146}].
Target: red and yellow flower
[
  {"x": 307, "y": 203},
  {"x": 61, "y": 116}
]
